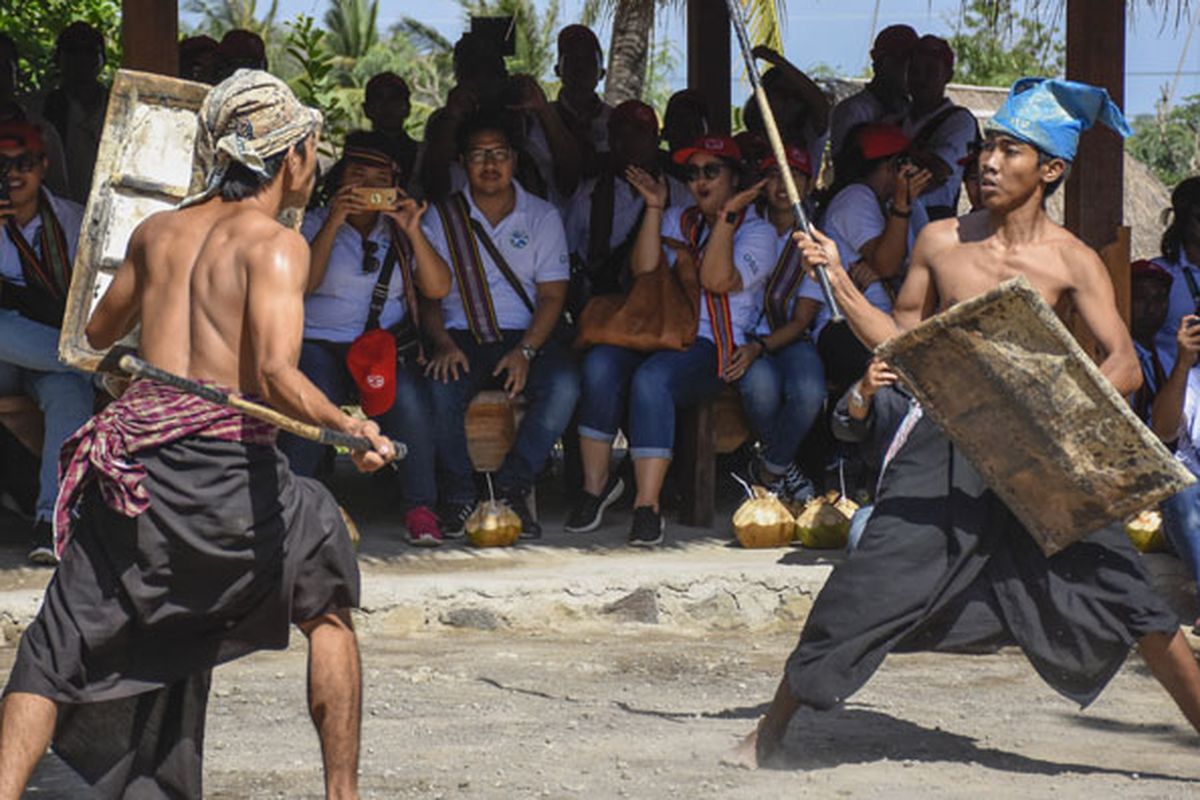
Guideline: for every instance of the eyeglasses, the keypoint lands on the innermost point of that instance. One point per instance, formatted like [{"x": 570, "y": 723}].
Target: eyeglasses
[
  {"x": 710, "y": 171},
  {"x": 480, "y": 155},
  {"x": 370, "y": 262},
  {"x": 22, "y": 163}
]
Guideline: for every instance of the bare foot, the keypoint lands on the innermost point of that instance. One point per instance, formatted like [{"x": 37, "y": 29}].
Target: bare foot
[{"x": 745, "y": 755}]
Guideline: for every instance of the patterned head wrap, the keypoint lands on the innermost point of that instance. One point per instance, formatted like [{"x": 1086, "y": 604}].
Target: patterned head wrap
[
  {"x": 247, "y": 118},
  {"x": 1050, "y": 114}
]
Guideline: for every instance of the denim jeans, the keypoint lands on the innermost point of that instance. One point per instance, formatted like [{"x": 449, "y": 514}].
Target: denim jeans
[
  {"x": 782, "y": 394},
  {"x": 1181, "y": 526},
  {"x": 407, "y": 421},
  {"x": 652, "y": 385},
  {"x": 551, "y": 391},
  {"x": 66, "y": 399},
  {"x": 28, "y": 344}
]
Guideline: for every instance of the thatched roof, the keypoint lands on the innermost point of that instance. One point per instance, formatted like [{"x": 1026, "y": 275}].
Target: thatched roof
[{"x": 1145, "y": 194}]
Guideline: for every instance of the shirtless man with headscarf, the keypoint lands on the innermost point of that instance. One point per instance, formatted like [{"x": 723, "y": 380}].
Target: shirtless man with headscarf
[
  {"x": 943, "y": 564},
  {"x": 185, "y": 541}
]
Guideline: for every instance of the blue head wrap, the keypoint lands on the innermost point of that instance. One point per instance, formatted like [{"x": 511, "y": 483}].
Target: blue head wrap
[{"x": 1050, "y": 114}]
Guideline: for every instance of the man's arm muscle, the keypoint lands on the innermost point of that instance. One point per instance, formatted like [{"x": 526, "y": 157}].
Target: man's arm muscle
[
  {"x": 118, "y": 310},
  {"x": 1096, "y": 302}
]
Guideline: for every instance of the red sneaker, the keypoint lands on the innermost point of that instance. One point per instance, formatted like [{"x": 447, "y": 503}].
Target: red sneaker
[{"x": 423, "y": 528}]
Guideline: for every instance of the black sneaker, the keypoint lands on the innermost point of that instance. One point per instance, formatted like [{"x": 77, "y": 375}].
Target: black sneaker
[
  {"x": 41, "y": 544},
  {"x": 798, "y": 487},
  {"x": 647, "y": 528},
  {"x": 588, "y": 513},
  {"x": 454, "y": 520},
  {"x": 530, "y": 527}
]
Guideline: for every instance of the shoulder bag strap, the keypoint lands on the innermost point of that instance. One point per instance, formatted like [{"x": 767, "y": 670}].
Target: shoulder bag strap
[
  {"x": 379, "y": 293},
  {"x": 482, "y": 236}
]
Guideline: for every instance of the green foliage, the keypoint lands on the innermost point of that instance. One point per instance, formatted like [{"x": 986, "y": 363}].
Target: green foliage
[
  {"x": 35, "y": 24},
  {"x": 536, "y": 46},
  {"x": 663, "y": 61},
  {"x": 352, "y": 30},
  {"x": 995, "y": 42},
  {"x": 218, "y": 17},
  {"x": 316, "y": 83},
  {"x": 1169, "y": 142}
]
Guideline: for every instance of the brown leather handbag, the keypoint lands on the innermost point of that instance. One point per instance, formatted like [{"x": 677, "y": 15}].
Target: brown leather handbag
[{"x": 660, "y": 312}]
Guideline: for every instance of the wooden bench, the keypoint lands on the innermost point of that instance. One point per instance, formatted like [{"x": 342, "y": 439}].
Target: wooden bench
[
  {"x": 22, "y": 417},
  {"x": 717, "y": 427}
]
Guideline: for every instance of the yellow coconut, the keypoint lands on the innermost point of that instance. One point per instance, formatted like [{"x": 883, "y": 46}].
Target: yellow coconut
[
  {"x": 763, "y": 521},
  {"x": 493, "y": 524},
  {"x": 825, "y": 521},
  {"x": 1145, "y": 531}
]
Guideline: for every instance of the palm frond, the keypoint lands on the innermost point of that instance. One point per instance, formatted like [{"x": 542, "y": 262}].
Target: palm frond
[{"x": 425, "y": 38}]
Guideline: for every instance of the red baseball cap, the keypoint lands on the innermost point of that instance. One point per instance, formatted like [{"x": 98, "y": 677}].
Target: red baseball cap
[
  {"x": 797, "y": 158},
  {"x": 372, "y": 363},
  {"x": 722, "y": 146},
  {"x": 880, "y": 140},
  {"x": 894, "y": 40},
  {"x": 634, "y": 112},
  {"x": 935, "y": 47},
  {"x": 21, "y": 134},
  {"x": 1144, "y": 268}
]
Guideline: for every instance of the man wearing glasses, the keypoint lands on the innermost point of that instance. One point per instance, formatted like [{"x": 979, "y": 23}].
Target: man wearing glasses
[
  {"x": 508, "y": 254},
  {"x": 37, "y": 249},
  {"x": 369, "y": 263}
]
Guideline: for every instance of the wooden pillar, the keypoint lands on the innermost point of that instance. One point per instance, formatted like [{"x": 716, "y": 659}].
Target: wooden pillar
[
  {"x": 708, "y": 57},
  {"x": 1094, "y": 192},
  {"x": 150, "y": 36}
]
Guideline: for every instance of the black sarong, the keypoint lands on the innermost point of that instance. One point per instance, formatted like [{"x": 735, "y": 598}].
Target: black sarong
[
  {"x": 943, "y": 565},
  {"x": 233, "y": 549}
]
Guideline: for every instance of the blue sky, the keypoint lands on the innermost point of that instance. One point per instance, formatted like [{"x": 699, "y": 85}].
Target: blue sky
[{"x": 838, "y": 33}]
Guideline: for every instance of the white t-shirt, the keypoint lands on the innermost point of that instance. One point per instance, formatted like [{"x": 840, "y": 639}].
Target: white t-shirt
[
  {"x": 1179, "y": 304},
  {"x": 754, "y": 247},
  {"x": 627, "y": 205},
  {"x": 949, "y": 143},
  {"x": 1189, "y": 425},
  {"x": 853, "y": 218},
  {"x": 337, "y": 310},
  {"x": 532, "y": 241},
  {"x": 70, "y": 218}
]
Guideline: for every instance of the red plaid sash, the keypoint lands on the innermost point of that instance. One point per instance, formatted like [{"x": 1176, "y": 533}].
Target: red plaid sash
[
  {"x": 720, "y": 316},
  {"x": 469, "y": 271},
  {"x": 51, "y": 271}
]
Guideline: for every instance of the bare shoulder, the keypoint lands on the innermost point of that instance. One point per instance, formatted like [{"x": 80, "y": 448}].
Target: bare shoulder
[
  {"x": 272, "y": 247},
  {"x": 1083, "y": 264},
  {"x": 937, "y": 237}
]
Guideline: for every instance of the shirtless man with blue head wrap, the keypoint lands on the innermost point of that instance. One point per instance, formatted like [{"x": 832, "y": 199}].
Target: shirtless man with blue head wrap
[{"x": 966, "y": 573}]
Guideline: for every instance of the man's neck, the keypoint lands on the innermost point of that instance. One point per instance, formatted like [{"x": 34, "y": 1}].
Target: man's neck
[
  {"x": 24, "y": 213},
  {"x": 86, "y": 94},
  {"x": 496, "y": 207},
  {"x": 580, "y": 101},
  {"x": 1022, "y": 225}
]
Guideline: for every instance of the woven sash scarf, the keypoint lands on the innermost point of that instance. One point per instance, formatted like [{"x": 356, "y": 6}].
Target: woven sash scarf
[
  {"x": 783, "y": 283},
  {"x": 469, "y": 270},
  {"x": 50, "y": 272},
  {"x": 720, "y": 316}
]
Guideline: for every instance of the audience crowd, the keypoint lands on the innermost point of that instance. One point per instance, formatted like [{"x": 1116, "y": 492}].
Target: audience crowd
[{"x": 460, "y": 263}]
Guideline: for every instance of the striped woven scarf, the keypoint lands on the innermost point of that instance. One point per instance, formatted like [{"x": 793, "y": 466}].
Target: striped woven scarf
[
  {"x": 783, "y": 283},
  {"x": 49, "y": 272},
  {"x": 720, "y": 316},
  {"x": 469, "y": 270}
]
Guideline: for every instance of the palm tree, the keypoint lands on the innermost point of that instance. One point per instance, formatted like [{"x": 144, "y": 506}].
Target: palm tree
[
  {"x": 633, "y": 23},
  {"x": 351, "y": 28},
  {"x": 221, "y": 16}
]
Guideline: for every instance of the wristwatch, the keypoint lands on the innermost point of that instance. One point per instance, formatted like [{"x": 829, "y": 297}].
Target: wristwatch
[
  {"x": 895, "y": 212},
  {"x": 529, "y": 351}
]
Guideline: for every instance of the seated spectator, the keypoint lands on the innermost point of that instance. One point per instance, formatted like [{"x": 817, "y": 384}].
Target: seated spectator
[
  {"x": 1180, "y": 257},
  {"x": 885, "y": 97},
  {"x": 77, "y": 106},
  {"x": 199, "y": 57},
  {"x": 549, "y": 163},
  {"x": 1175, "y": 419},
  {"x": 37, "y": 250},
  {"x": 604, "y": 214},
  {"x": 580, "y": 67},
  {"x": 685, "y": 120},
  {"x": 240, "y": 49},
  {"x": 368, "y": 268},
  {"x": 735, "y": 252},
  {"x": 509, "y": 258},
  {"x": 387, "y": 102},
  {"x": 12, "y": 110},
  {"x": 800, "y": 106},
  {"x": 778, "y": 371},
  {"x": 1151, "y": 290},
  {"x": 874, "y": 221},
  {"x": 939, "y": 131}
]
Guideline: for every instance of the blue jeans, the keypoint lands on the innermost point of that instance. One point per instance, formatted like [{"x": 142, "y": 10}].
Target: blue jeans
[
  {"x": 652, "y": 385},
  {"x": 551, "y": 391},
  {"x": 1181, "y": 526},
  {"x": 782, "y": 393},
  {"x": 28, "y": 344},
  {"x": 407, "y": 421},
  {"x": 65, "y": 397}
]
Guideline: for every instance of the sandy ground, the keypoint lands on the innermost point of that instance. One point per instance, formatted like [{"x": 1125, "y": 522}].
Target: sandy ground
[{"x": 640, "y": 713}]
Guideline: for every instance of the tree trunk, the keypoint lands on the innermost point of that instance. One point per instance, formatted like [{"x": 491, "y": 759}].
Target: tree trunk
[{"x": 633, "y": 21}]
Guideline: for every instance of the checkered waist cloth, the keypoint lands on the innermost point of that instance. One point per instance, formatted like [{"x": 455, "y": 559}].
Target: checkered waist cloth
[{"x": 149, "y": 414}]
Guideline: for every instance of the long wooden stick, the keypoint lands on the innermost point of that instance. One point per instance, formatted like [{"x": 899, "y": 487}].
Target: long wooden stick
[
  {"x": 139, "y": 368},
  {"x": 789, "y": 184}
]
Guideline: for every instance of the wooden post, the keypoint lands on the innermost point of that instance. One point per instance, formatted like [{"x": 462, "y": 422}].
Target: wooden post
[
  {"x": 708, "y": 57},
  {"x": 150, "y": 36}
]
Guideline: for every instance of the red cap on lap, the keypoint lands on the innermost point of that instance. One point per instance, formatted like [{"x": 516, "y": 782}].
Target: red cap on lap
[{"x": 372, "y": 363}]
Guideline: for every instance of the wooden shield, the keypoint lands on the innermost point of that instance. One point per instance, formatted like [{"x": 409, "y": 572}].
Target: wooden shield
[
  {"x": 1005, "y": 380},
  {"x": 144, "y": 165}
]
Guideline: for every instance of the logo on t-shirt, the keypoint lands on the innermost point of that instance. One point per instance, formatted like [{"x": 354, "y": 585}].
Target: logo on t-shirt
[{"x": 519, "y": 239}]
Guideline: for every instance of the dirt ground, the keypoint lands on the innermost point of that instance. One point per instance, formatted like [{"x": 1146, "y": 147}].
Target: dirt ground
[{"x": 638, "y": 713}]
